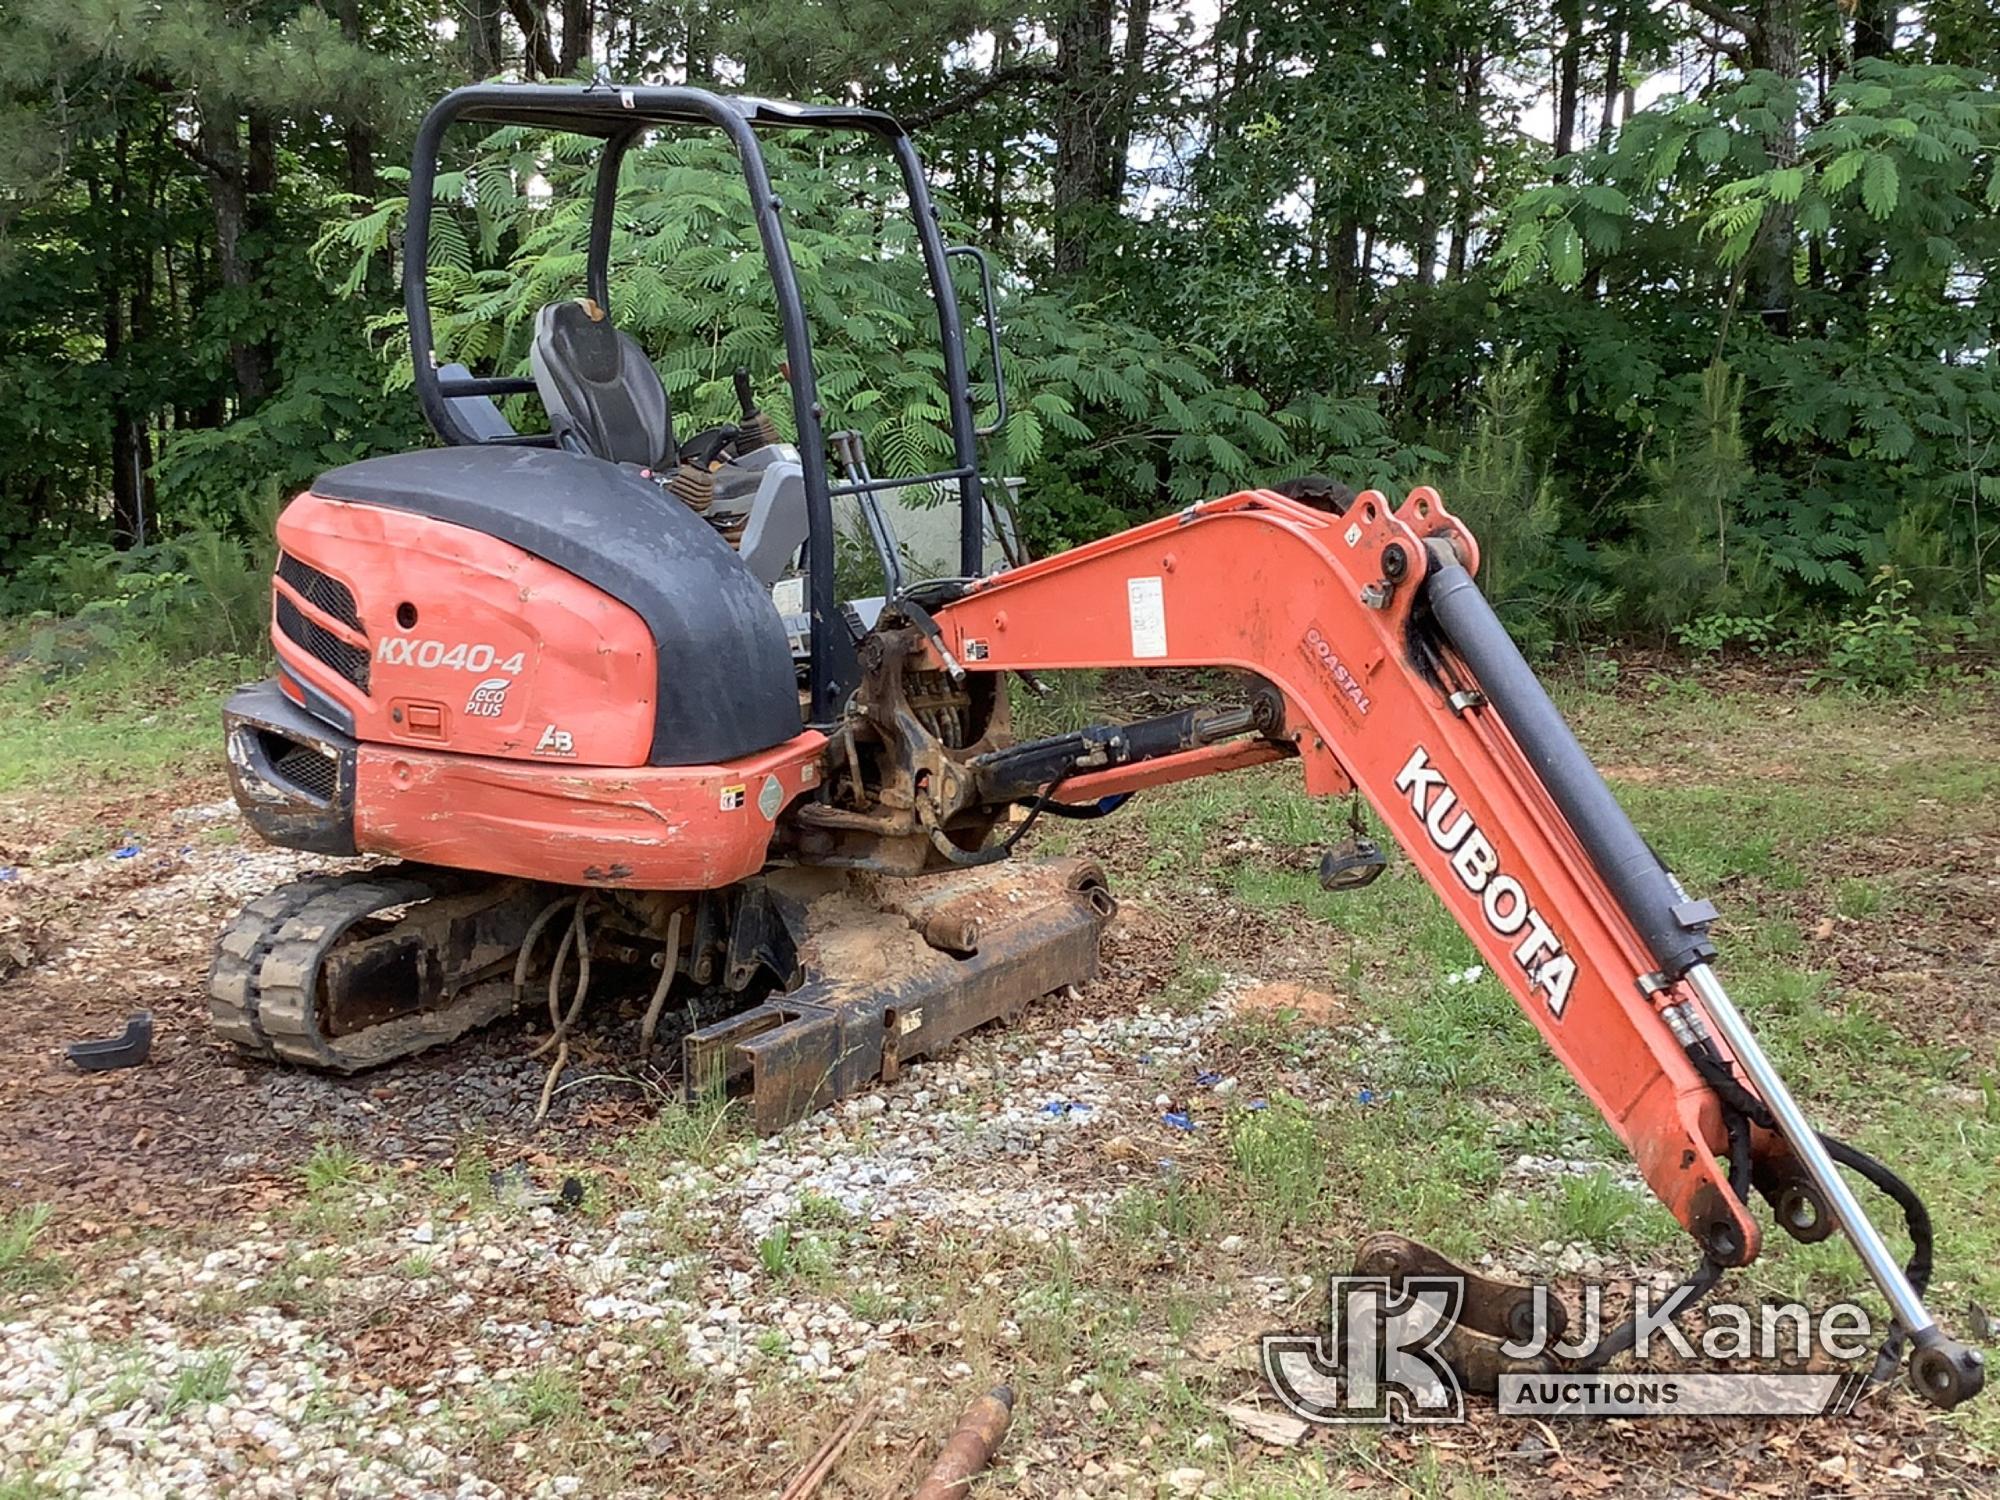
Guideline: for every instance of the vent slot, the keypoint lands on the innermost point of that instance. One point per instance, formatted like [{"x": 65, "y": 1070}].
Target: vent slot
[
  {"x": 301, "y": 767},
  {"x": 327, "y": 595},
  {"x": 349, "y": 660}
]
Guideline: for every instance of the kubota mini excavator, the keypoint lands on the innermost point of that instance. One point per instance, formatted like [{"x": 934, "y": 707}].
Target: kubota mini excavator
[{"x": 548, "y": 675}]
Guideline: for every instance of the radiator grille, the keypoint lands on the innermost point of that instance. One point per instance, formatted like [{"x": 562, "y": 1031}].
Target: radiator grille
[
  {"x": 349, "y": 660},
  {"x": 327, "y": 595},
  {"x": 308, "y": 770}
]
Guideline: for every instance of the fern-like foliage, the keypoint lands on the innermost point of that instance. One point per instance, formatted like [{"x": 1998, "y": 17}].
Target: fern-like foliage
[{"x": 1094, "y": 398}]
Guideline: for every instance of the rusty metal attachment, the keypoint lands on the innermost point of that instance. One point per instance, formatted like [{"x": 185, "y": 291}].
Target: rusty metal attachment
[
  {"x": 895, "y": 969},
  {"x": 971, "y": 1447},
  {"x": 1493, "y": 1312}
]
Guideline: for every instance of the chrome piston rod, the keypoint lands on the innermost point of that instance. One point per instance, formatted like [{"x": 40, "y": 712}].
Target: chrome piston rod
[{"x": 1839, "y": 1198}]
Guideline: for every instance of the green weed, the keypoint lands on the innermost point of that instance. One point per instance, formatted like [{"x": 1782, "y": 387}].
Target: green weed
[
  {"x": 787, "y": 1256},
  {"x": 22, "y": 1266},
  {"x": 201, "y": 1381},
  {"x": 1281, "y": 1156},
  {"x": 1594, "y": 1208},
  {"x": 331, "y": 1168}
]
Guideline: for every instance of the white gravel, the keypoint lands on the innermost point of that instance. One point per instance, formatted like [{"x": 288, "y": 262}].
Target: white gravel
[
  {"x": 181, "y": 1376},
  {"x": 118, "y": 1397}
]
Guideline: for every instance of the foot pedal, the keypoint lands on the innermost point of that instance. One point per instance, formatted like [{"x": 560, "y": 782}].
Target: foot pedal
[
  {"x": 1492, "y": 1313},
  {"x": 1350, "y": 866}
]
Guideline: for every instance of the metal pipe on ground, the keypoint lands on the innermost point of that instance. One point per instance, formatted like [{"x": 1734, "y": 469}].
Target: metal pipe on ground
[{"x": 970, "y": 1448}]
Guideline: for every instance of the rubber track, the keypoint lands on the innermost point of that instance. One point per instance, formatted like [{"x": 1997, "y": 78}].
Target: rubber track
[
  {"x": 239, "y": 953},
  {"x": 262, "y": 987},
  {"x": 287, "y": 980}
]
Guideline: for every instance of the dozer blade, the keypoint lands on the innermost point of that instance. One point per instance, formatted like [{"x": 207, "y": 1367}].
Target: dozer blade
[{"x": 895, "y": 969}]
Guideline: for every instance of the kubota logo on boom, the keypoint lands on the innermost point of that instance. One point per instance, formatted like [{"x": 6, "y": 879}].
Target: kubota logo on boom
[{"x": 1502, "y": 899}]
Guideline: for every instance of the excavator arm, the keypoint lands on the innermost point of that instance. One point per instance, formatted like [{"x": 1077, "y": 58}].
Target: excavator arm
[{"x": 1392, "y": 676}]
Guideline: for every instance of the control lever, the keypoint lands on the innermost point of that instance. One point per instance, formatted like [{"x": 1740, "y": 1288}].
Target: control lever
[
  {"x": 754, "y": 428},
  {"x": 704, "y": 448}
]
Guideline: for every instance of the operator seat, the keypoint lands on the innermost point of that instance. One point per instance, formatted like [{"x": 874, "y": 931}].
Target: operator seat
[{"x": 602, "y": 394}]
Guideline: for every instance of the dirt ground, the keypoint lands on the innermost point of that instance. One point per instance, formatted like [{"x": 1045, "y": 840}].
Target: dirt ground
[{"x": 111, "y": 900}]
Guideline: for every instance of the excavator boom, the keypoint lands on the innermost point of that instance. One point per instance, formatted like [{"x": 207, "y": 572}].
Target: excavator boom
[{"x": 1394, "y": 679}]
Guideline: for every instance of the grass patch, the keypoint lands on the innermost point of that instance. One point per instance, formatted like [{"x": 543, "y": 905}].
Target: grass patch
[
  {"x": 695, "y": 1132},
  {"x": 1193, "y": 985},
  {"x": 1743, "y": 802},
  {"x": 201, "y": 1380},
  {"x": 419, "y": 1265},
  {"x": 1281, "y": 1156},
  {"x": 331, "y": 1168},
  {"x": 130, "y": 715},
  {"x": 548, "y": 1395},
  {"x": 1594, "y": 1208},
  {"x": 788, "y": 1256},
  {"x": 23, "y": 1267},
  {"x": 1176, "y": 1211}
]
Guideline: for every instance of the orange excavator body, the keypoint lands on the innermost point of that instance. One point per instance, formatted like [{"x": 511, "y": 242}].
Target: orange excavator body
[{"x": 550, "y": 673}]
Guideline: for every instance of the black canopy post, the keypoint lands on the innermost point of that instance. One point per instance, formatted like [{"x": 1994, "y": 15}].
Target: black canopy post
[{"x": 603, "y": 213}]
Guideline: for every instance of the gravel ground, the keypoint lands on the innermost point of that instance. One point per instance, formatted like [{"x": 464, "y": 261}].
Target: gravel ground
[
  {"x": 281, "y": 1284},
  {"x": 260, "y": 1366}
]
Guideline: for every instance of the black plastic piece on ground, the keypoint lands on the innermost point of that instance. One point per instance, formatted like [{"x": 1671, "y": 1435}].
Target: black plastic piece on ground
[
  {"x": 126, "y": 1051},
  {"x": 1350, "y": 866}
]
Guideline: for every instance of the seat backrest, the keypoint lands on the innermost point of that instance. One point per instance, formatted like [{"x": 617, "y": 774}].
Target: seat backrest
[
  {"x": 477, "y": 414},
  {"x": 602, "y": 393}
]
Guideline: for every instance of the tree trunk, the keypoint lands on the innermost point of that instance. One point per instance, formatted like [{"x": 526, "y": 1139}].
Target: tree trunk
[
  {"x": 1569, "y": 62},
  {"x": 485, "y": 41},
  {"x": 576, "y": 30},
  {"x": 1427, "y": 236},
  {"x": 700, "y": 64},
  {"x": 1614, "y": 62},
  {"x": 1003, "y": 56},
  {"x": 356, "y": 139},
  {"x": 228, "y": 191},
  {"x": 1132, "y": 80},
  {"x": 1874, "y": 28},
  {"x": 538, "y": 59},
  {"x": 1468, "y": 186},
  {"x": 1342, "y": 270},
  {"x": 127, "y": 478},
  {"x": 133, "y": 449},
  {"x": 1084, "y": 129},
  {"x": 1774, "y": 45}
]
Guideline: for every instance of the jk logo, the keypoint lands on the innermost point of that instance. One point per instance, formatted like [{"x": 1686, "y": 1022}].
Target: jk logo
[{"x": 1382, "y": 1362}]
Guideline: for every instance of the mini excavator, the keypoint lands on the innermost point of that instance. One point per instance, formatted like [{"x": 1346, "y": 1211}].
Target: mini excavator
[{"x": 590, "y": 704}]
